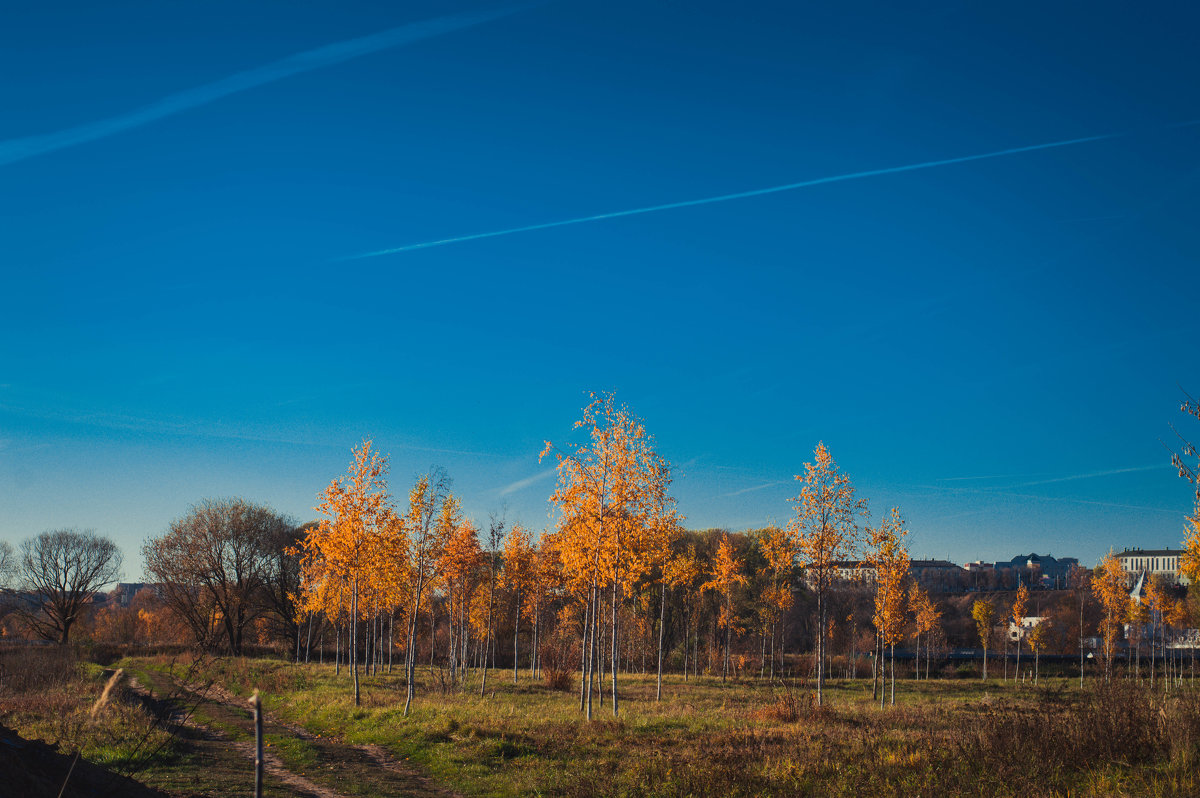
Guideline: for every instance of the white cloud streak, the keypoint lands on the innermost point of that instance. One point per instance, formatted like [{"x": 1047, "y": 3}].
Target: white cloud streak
[
  {"x": 757, "y": 487},
  {"x": 521, "y": 484},
  {"x": 758, "y": 192},
  {"x": 18, "y": 149},
  {"x": 1093, "y": 474}
]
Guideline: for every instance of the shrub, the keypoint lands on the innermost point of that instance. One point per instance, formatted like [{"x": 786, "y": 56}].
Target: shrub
[{"x": 560, "y": 660}]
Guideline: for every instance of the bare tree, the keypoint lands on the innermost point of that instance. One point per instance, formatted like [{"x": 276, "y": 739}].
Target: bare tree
[
  {"x": 8, "y": 563},
  {"x": 281, "y": 584},
  {"x": 62, "y": 569},
  {"x": 214, "y": 565}
]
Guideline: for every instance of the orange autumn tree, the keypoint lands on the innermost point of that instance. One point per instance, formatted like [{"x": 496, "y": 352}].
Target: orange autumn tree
[
  {"x": 579, "y": 575},
  {"x": 890, "y": 559},
  {"x": 778, "y": 546},
  {"x": 927, "y": 618},
  {"x": 461, "y": 566},
  {"x": 683, "y": 573},
  {"x": 726, "y": 574},
  {"x": 1158, "y": 606},
  {"x": 1019, "y": 606},
  {"x": 1189, "y": 562},
  {"x": 518, "y": 577},
  {"x": 354, "y": 544},
  {"x": 1038, "y": 636},
  {"x": 1109, "y": 585},
  {"x": 1137, "y": 618},
  {"x": 651, "y": 550},
  {"x": 983, "y": 612},
  {"x": 607, "y": 490},
  {"x": 433, "y": 515},
  {"x": 545, "y": 584},
  {"x": 826, "y": 528}
]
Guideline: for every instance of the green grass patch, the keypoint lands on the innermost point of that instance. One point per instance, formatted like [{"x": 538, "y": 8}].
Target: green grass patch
[{"x": 946, "y": 737}]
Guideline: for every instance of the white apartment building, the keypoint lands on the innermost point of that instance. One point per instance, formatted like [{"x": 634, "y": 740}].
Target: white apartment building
[{"x": 1137, "y": 562}]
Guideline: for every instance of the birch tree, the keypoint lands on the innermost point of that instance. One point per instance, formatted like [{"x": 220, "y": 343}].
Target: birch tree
[
  {"x": 606, "y": 491},
  {"x": 1080, "y": 581},
  {"x": 726, "y": 575},
  {"x": 779, "y": 547},
  {"x": 983, "y": 612},
  {"x": 1109, "y": 584},
  {"x": 891, "y": 561},
  {"x": 433, "y": 515},
  {"x": 356, "y": 542},
  {"x": 827, "y": 530},
  {"x": 518, "y": 577},
  {"x": 1019, "y": 606}
]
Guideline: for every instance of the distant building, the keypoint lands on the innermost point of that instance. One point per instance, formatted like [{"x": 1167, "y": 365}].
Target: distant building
[
  {"x": 936, "y": 575},
  {"x": 1148, "y": 562},
  {"x": 855, "y": 570},
  {"x": 124, "y": 592},
  {"x": 1041, "y": 569},
  {"x": 933, "y": 575},
  {"x": 1022, "y": 631}
]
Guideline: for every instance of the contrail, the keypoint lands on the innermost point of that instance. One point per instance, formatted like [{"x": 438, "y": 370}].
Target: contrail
[
  {"x": 18, "y": 149},
  {"x": 758, "y": 192}
]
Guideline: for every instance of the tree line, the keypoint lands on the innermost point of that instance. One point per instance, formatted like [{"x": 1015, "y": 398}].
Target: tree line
[{"x": 615, "y": 585}]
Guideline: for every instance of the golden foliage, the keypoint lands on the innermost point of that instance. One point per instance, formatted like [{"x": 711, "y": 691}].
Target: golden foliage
[
  {"x": 984, "y": 613},
  {"x": 891, "y": 562},
  {"x": 1109, "y": 584},
  {"x": 827, "y": 515},
  {"x": 1189, "y": 562}
]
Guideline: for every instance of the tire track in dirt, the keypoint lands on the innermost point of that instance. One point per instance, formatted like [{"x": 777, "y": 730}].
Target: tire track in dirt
[
  {"x": 271, "y": 763},
  {"x": 366, "y": 765}
]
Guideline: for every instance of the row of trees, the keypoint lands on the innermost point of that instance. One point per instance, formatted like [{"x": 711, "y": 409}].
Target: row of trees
[
  {"x": 615, "y": 579},
  {"x": 615, "y": 554},
  {"x": 1156, "y": 613}
]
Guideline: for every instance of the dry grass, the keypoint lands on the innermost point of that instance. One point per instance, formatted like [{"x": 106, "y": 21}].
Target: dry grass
[
  {"x": 742, "y": 738},
  {"x": 748, "y": 738},
  {"x": 47, "y": 694}
]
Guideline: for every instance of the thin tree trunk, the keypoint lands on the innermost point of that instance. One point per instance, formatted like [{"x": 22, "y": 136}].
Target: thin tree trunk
[
  {"x": 354, "y": 639},
  {"x": 821, "y": 646},
  {"x": 687, "y": 635},
  {"x": 616, "y": 585},
  {"x": 662, "y": 614},
  {"x": 1018, "y": 673},
  {"x": 432, "y": 629},
  {"x": 592, "y": 597},
  {"x": 877, "y": 666},
  {"x": 516, "y": 633},
  {"x": 583, "y": 652},
  {"x": 308, "y": 642},
  {"x": 535, "y": 666},
  {"x": 410, "y": 660},
  {"x": 893, "y": 658},
  {"x": 774, "y": 632}
]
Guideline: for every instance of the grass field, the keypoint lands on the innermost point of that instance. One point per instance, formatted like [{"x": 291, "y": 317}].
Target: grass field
[{"x": 948, "y": 737}]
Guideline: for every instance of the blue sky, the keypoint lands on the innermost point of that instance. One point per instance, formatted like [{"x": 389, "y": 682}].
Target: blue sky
[{"x": 996, "y": 346}]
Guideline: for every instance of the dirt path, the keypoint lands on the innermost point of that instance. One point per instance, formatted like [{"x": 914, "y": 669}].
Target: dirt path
[{"x": 314, "y": 767}]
